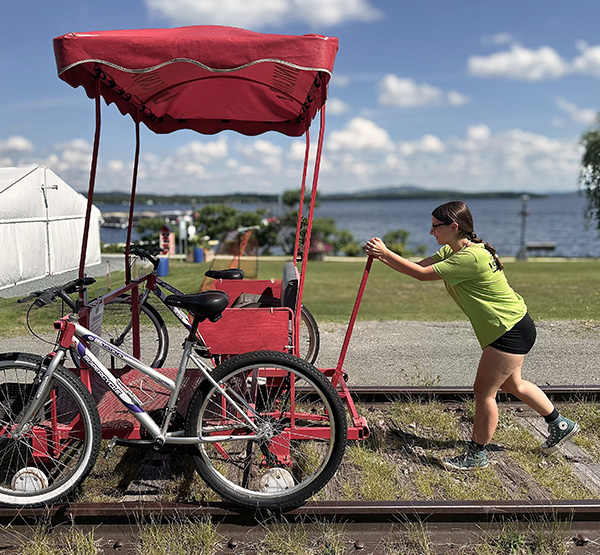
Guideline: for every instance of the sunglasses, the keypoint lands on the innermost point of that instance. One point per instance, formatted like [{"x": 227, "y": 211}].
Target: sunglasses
[{"x": 433, "y": 226}]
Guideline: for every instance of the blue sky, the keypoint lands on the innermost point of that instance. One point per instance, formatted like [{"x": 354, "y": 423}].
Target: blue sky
[{"x": 468, "y": 95}]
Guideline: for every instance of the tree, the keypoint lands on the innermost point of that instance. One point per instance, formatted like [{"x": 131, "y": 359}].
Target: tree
[
  {"x": 396, "y": 242},
  {"x": 214, "y": 220},
  {"x": 149, "y": 229},
  {"x": 589, "y": 172},
  {"x": 325, "y": 236}
]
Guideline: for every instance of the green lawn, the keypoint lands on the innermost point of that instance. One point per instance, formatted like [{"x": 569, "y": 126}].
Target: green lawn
[{"x": 553, "y": 290}]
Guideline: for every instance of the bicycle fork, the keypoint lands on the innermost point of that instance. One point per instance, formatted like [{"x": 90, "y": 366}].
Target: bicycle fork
[{"x": 37, "y": 402}]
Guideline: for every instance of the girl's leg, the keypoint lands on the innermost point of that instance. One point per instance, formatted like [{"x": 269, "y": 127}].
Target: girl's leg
[
  {"x": 495, "y": 369},
  {"x": 528, "y": 392},
  {"x": 559, "y": 427}
]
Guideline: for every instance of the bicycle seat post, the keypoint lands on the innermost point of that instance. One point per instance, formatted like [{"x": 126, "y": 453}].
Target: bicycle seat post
[{"x": 194, "y": 329}]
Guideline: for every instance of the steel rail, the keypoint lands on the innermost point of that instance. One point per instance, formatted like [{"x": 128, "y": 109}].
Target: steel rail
[
  {"x": 579, "y": 510},
  {"x": 376, "y": 394}
]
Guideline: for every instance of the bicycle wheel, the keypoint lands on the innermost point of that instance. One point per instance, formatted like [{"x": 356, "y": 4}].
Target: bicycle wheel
[
  {"x": 58, "y": 447},
  {"x": 289, "y": 436},
  {"x": 310, "y": 340},
  {"x": 117, "y": 328}
]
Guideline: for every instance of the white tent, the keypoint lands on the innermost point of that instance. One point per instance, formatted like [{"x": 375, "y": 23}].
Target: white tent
[{"x": 41, "y": 226}]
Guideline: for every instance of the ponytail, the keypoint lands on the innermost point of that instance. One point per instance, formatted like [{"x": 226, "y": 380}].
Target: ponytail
[{"x": 474, "y": 239}]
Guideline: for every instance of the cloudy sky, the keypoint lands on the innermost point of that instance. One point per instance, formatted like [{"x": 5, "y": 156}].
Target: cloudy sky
[{"x": 464, "y": 94}]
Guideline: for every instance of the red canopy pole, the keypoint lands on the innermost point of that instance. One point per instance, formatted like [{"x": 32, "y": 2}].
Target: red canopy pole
[
  {"x": 313, "y": 199},
  {"x": 92, "y": 183},
  {"x": 302, "y": 191},
  {"x": 136, "y": 162}
]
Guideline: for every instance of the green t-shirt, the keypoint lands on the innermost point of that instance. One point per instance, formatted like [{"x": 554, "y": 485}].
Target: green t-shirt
[{"x": 480, "y": 289}]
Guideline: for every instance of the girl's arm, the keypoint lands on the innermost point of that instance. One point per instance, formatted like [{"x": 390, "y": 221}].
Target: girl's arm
[
  {"x": 422, "y": 271},
  {"x": 426, "y": 261}
]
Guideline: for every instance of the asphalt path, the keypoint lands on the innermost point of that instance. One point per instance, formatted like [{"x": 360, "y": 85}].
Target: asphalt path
[{"x": 398, "y": 353}]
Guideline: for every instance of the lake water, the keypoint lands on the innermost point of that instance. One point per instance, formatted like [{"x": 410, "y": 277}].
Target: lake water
[{"x": 556, "y": 219}]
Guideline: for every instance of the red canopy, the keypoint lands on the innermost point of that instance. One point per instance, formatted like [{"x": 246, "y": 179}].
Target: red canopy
[{"x": 204, "y": 78}]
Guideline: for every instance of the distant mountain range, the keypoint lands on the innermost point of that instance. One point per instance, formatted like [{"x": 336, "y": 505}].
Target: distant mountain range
[
  {"x": 414, "y": 192},
  {"x": 398, "y": 192}
]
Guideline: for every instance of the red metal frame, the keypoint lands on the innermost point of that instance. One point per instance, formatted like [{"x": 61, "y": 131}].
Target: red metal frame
[{"x": 78, "y": 68}]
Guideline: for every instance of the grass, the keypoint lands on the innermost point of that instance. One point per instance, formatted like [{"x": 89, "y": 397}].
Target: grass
[
  {"x": 178, "y": 538},
  {"x": 185, "y": 537},
  {"x": 553, "y": 290},
  {"x": 68, "y": 541},
  {"x": 587, "y": 415}
]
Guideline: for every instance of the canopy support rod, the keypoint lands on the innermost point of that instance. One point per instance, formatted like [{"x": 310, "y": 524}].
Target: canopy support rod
[
  {"x": 136, "y": 162},
  {"x": 301, "y": 202},
  {"x": 92, "y": 183},
  {"x": 313, "y": 200}
]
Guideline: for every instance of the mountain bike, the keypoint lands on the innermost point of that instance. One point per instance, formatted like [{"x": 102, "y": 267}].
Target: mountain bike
[{"x": 265, "y": 429}]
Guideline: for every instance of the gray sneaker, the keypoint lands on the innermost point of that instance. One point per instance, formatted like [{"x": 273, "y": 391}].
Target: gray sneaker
[
  {"x": 560, "y": 429},
  {"x": 471, "y": 459}
]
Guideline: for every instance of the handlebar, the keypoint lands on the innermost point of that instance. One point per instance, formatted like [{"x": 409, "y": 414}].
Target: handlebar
[
  {"x": 144, "y": 254},
  {"x": 47, "y": 296}
]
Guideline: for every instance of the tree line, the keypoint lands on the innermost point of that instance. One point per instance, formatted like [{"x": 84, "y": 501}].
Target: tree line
[{"x": 213, "y": 220}]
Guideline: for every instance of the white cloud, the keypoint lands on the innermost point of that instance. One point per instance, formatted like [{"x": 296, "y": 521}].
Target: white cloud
[
  {"x": 498, "y": 38},
  {"x": 588, "y": 62},
  {"x": 16, "y": 145},
  {"x": 205, "y": 150},
  {"x": 261, "y": 151},
  {"x": 520, "y": 63},
  {"x": 359, "y": 156},
  {"x": 478, "y": 160},
  {"x": 340, "y": 80},
  {"x": 479, "y": 132},
  {"x": 262, "y": 13},
  {"x": 333, "y": 12},
  {"x": 585, "y": 116},
  {"x": 427, "y": 143},
  {"x": 337, "y": 107},
  {"x": 359, "y": 134},
  {"x": 407, "y": 93}
]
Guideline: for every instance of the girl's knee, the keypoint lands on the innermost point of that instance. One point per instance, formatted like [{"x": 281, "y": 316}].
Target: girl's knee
[{"x": 482, "y": 393}]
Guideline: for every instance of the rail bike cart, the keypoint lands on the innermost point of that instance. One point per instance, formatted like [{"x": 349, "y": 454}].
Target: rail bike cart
[{"x": 210, "y": 79}]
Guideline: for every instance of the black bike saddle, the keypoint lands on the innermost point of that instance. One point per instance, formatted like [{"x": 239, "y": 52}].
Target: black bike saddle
[
  {"x": 228, "y": 273},
  {"x": 207, "y": 304}
]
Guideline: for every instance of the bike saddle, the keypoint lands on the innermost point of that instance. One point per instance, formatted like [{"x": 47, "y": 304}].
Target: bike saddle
[
  {"x": 208, "y": 304},
  {"x": 229, "y": 273}
]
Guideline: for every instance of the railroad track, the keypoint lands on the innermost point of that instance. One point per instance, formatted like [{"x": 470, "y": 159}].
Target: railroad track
[{"x": 366, "y": 526}]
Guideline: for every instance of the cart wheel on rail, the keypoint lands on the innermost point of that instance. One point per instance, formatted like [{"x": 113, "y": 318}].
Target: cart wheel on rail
[
  {"x": 58, "y": 447},
  {"x": 286, "y": 442}
]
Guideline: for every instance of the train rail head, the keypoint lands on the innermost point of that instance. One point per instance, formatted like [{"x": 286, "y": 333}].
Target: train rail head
[{"x": 580, "y": 510}]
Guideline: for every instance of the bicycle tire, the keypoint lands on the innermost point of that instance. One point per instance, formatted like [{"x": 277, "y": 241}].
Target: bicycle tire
[
  {"x": 304, "y": 449},
  {"x": 60, "y": 446},
  {"x": 310, "y": 339},
  {"x": 116, "y": 328}
]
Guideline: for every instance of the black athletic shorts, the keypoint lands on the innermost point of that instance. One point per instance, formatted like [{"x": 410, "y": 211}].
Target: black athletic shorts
[{"x": 519, "y": 339}]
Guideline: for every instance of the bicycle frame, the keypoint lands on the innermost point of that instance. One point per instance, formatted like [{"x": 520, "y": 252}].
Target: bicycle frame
[{"x": 72, "y": 335}]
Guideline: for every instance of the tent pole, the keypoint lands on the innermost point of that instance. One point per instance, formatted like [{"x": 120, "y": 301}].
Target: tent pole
[
  {"x": 136, "y": 162},
  {"x": 92, "y": 183}
]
